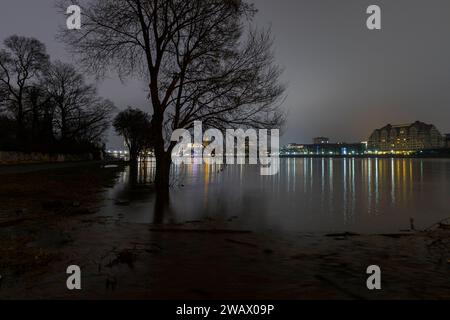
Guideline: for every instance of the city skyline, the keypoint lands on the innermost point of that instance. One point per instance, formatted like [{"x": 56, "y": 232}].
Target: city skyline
[{"x": 336, "y": 140}]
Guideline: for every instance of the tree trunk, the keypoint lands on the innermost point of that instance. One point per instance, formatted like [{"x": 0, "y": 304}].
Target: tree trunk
[
  {"x": 34, "y": 125},
  {"x": 163, "y": 157},
  {"x": 162, "y": 180},
  {"x": 133, "y": 174},
  {"x": 134, "y": 157},
  {"x": 162, "y": 175},
  {"x": 162, "y": 207},
  {"x": 20, "y": 126}
]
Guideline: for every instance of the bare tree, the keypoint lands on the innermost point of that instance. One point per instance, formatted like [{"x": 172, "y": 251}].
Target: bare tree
[
  {"x": 94, "y": 121},
  {"x": 134, "y": 126},
  {"x": 4, "y": 96},
  {"x": 199, "y": 58},
  {"x": 79, "y": 114},
  {"x": 21, "y": 65},
  {"x": 40, "y": 116}
]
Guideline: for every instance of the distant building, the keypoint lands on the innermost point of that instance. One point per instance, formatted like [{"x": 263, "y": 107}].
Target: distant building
[
  {"x": 447, "y": 140},
  {"x": 321, "y": 140},
  {"x": 324, "y": 149},
  {"x": 405, "y": 138},
  {"x": 294, "y": 146}
]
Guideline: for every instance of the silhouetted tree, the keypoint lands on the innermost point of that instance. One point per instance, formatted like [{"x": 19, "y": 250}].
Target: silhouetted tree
[
  {"x": 36, "y": 102},
  {"x": 21, "y": 65},
  {"x": 4, "y": 96},
  {"x": 134, "y": 126},
  {"x": 79, "y": 114},
  {"x": 48, "y": 106},
  {"x": 199, "y": 62}
]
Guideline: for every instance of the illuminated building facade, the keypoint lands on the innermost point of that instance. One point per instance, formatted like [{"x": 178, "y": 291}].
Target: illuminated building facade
[
  {"x": 324, "y": 149},
  {"x": 406, "y": 138}
]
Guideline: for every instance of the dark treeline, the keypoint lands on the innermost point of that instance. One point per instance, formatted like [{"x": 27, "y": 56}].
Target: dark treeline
[{"x": 47, "y": 106}]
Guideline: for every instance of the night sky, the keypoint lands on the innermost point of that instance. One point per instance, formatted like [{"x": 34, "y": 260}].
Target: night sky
[{"x": 343, "y": 80}]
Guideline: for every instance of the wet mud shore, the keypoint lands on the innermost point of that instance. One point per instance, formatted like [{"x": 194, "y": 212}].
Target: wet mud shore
[{"x": 49, "y": 220}]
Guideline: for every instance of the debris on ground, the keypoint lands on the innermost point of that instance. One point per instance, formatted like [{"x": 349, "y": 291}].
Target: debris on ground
[
  {"x": 111, "y": 282},
  {"x": 125, "y": 256}
]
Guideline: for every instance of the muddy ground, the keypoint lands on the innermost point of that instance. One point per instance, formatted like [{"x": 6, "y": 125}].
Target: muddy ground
[{"x": 48, "y": 221}]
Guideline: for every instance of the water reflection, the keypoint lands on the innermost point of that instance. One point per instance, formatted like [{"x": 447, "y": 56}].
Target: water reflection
[{"x": 308, "y": 194}]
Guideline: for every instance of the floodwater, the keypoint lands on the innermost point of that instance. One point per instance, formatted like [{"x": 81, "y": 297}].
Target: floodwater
[{"x": 308, "y": 195}]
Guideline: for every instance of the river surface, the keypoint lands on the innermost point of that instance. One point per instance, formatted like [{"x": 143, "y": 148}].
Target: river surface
[{"x": 308, "y": 195}]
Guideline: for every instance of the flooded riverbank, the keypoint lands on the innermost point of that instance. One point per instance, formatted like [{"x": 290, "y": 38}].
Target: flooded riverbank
[{"x": 99, "y": 219}]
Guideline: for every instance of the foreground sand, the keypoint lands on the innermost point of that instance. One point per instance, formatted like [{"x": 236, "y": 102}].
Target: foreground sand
[{"x": 48, "y": 221}]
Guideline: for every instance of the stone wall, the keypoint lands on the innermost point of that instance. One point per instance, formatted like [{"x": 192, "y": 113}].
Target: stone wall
[{"x": 10, "y": 158}]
